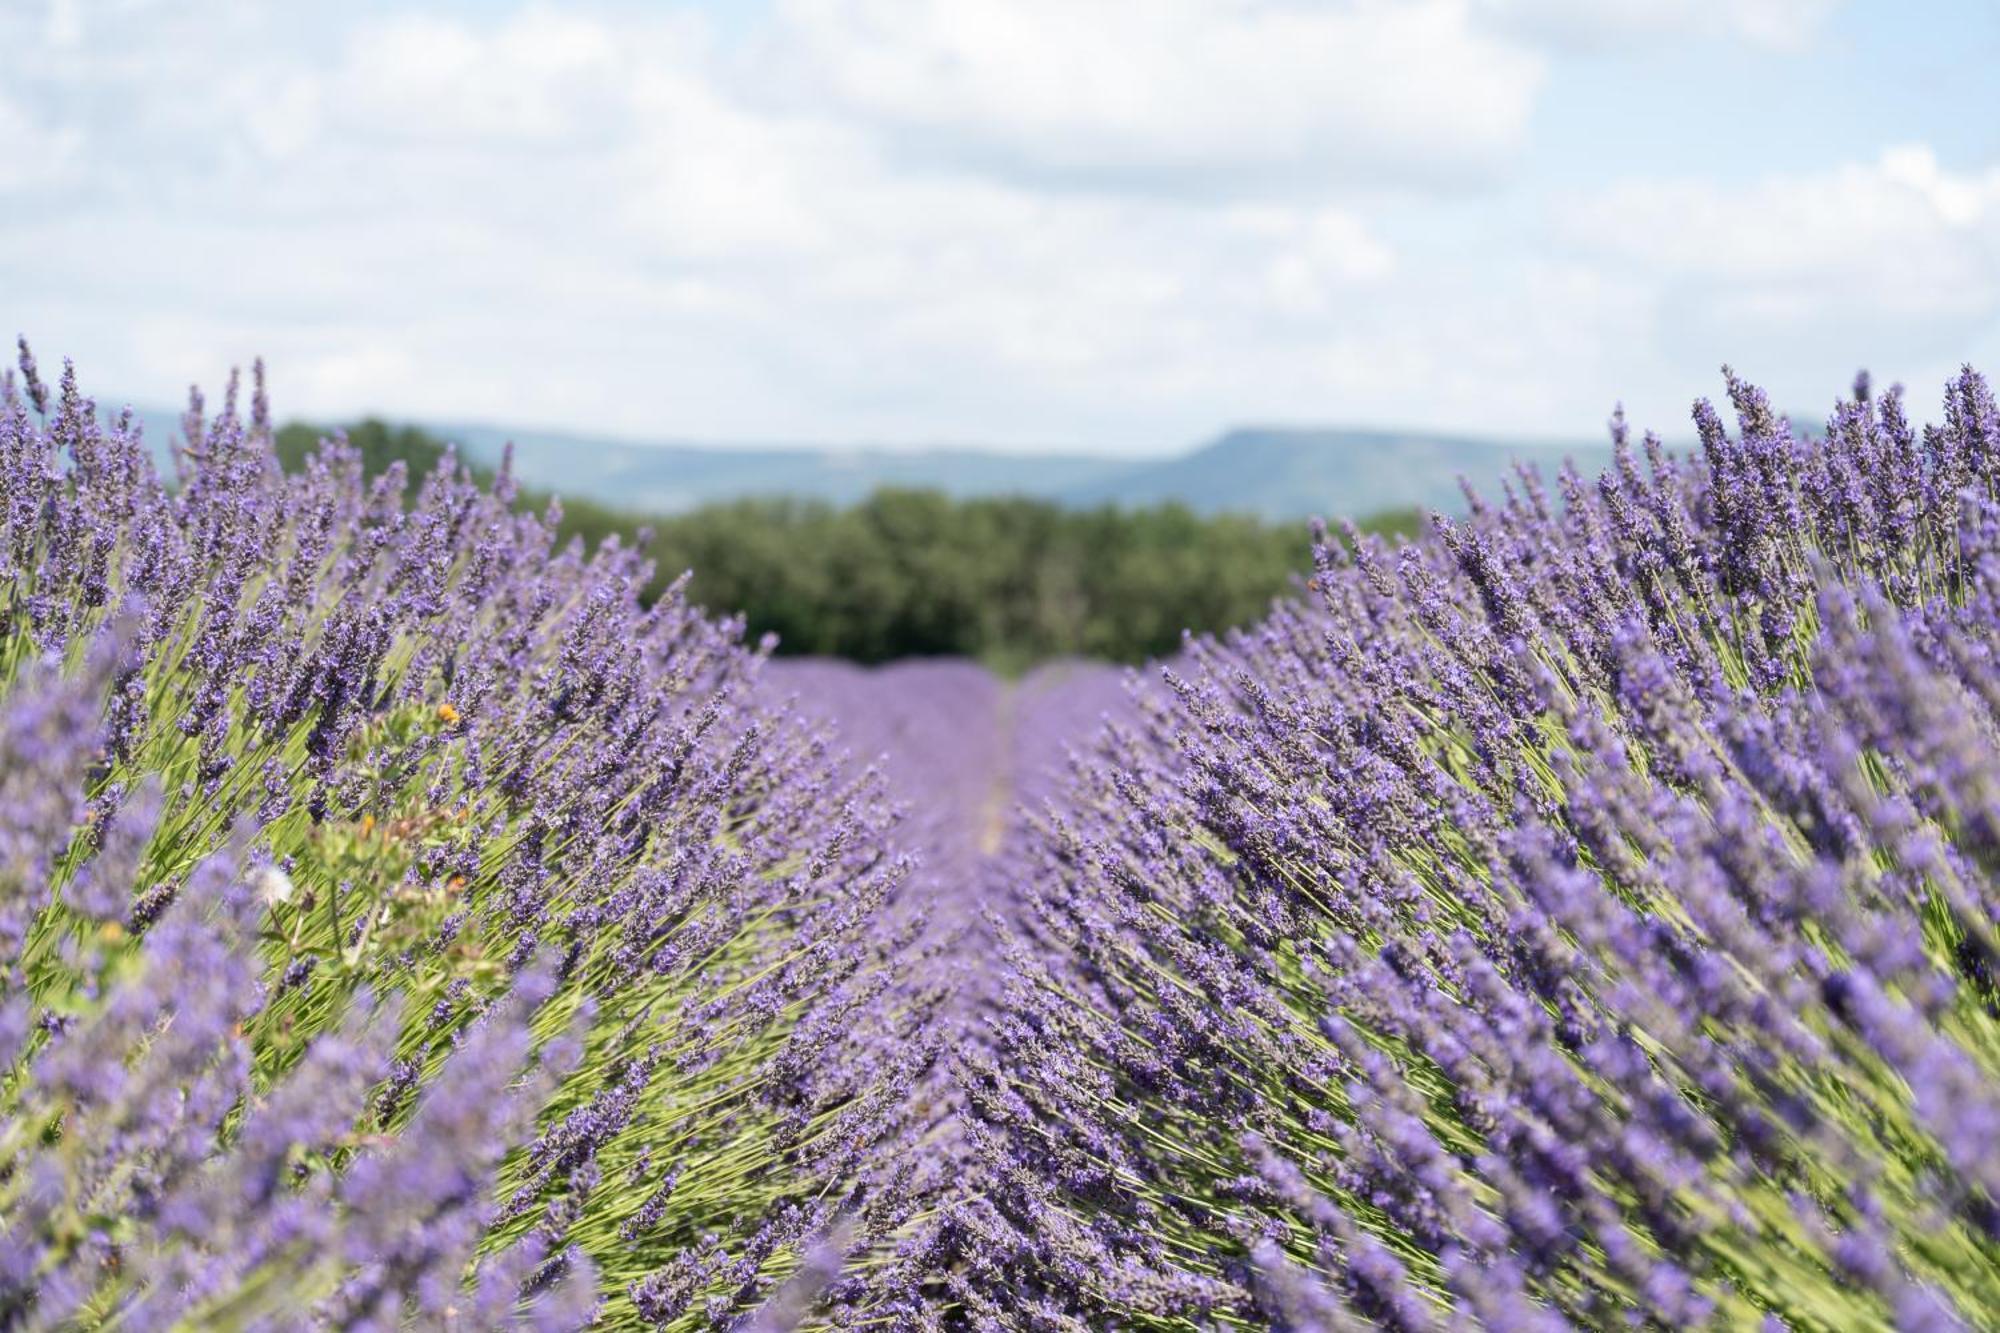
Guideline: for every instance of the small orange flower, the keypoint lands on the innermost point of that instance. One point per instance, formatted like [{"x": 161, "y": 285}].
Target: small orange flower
[{"x": 447, "y": 714}]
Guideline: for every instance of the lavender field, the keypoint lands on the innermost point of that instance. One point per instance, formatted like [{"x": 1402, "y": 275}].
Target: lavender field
[
  {"x": 1584, "y": 915},
  {"x": 962, "y": 753}
]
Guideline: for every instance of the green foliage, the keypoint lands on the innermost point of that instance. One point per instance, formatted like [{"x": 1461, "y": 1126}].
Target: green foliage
[
  {"x": 380, "y": 443},
  {"x": 911, "y": 573}
]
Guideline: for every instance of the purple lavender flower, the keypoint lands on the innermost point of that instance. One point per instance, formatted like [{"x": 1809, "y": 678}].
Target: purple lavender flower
[
  {"x": 1587, "y": 912},
  {"x": 379, "y": 882}
]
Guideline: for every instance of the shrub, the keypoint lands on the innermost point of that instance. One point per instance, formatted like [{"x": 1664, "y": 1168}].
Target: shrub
[
  {"x": 1585, "y": 915},
  {"x": 401, "y": 923}
]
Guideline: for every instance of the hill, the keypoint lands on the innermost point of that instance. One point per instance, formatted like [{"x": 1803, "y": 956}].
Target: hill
[
  {"x": 1273, "y": 473},
  {"x": 672, "y": 476},
  {"x": 1293, "y": 473}
]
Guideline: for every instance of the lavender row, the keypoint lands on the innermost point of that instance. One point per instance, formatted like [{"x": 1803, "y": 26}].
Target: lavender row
[
  {"x": 1581, "y": 917},
  {"x": 401, "y": 922},
  {"x": 1584, "y": 916},
  {"x": 937, "y": 732},
  {"x": 959, "y": 751}
]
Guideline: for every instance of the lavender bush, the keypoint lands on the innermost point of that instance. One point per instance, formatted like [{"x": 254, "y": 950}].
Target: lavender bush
[
  {"x": 1582, "y": 917},
  {"x": 400, "y": 922},
  {"x": 937, "y": 729}
]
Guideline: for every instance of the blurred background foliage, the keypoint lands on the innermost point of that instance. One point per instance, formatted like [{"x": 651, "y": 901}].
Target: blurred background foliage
[{"x": 1009, "y": 581}]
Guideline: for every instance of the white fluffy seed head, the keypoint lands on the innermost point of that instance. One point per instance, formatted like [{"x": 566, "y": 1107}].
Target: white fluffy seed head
[{"x": 273, "y": 885}]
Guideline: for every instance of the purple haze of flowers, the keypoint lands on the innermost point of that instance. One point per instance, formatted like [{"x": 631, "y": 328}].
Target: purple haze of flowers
[
  {"x": 401, "y": 922},
  {"x": 1583, "y": 916},
  {"x": 938, "y": 731}
]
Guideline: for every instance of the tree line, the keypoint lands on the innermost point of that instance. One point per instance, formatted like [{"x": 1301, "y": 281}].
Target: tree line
[{"x": 1008, "y": 580}]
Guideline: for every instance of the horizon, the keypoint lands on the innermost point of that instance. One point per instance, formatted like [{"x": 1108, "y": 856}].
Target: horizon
[
  {"x": 1112, "y": 229},
  {"x": 153, "y": 414}
]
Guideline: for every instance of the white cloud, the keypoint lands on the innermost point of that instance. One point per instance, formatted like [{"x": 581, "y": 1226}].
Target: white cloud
[
  {"x": 1601, "y": 24},
  {"x": 1194, "y": 95},
  {"x": 65, "y": 24},
  {"x": 426, "y": 214},
  {"x": 37, "y": 155},
  {"x": 570, "y": 216},
  {"x": 544, "y": 80},
  {"x": 1895, "y": 252}
]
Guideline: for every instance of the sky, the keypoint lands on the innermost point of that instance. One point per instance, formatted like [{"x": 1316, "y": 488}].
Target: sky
[{"x": 1081, "y": 225}]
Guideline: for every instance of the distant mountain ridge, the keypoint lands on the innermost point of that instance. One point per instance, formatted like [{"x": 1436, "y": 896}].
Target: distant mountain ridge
[
  {"x": 1277, "y": 473},
  {"x": 1295, "y": 472},
  {"x": 671, "y": 477},
  {"x": 1272, "y": 472}
]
